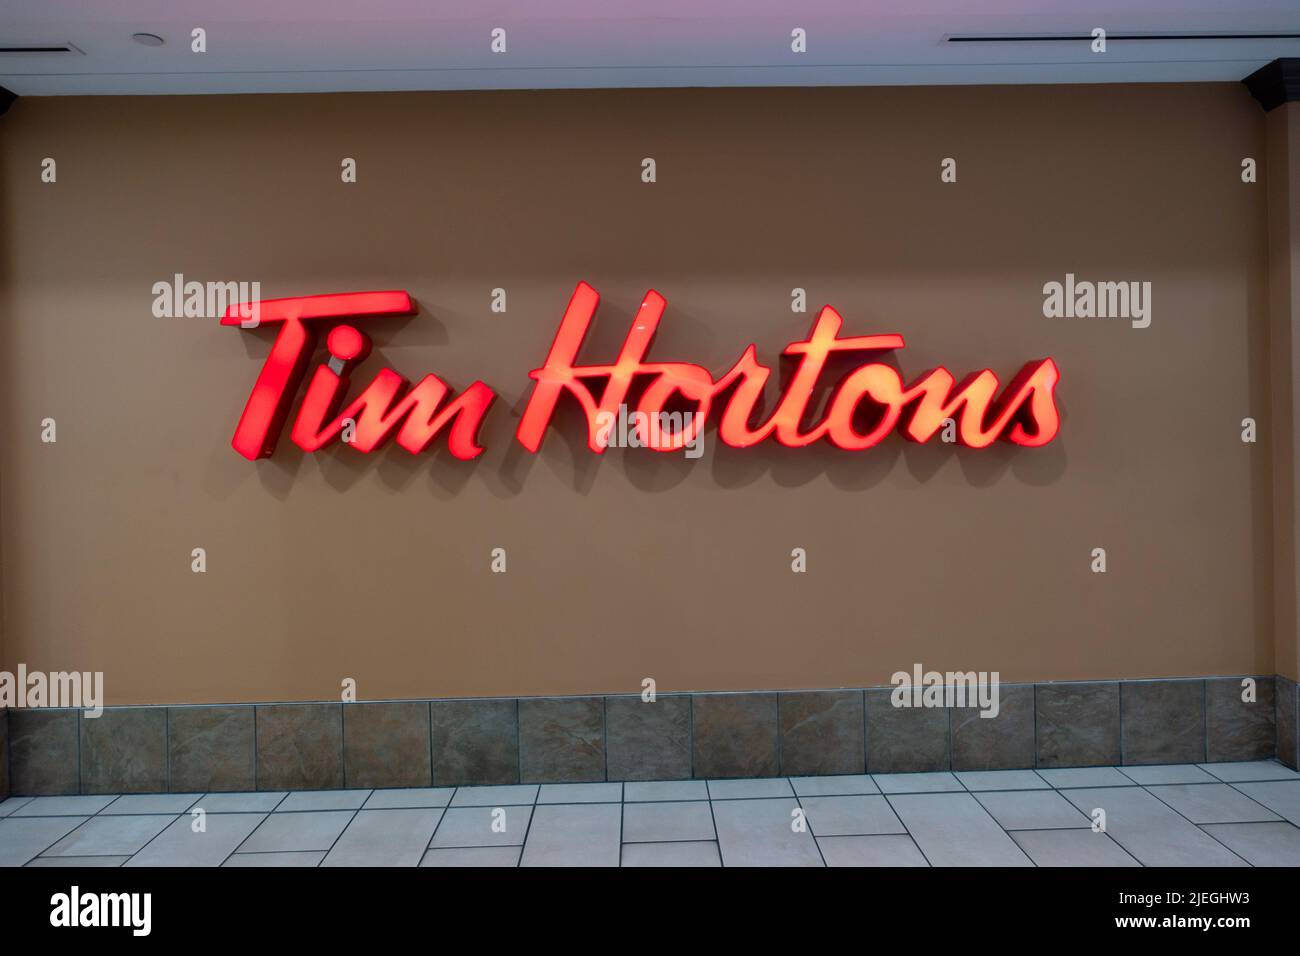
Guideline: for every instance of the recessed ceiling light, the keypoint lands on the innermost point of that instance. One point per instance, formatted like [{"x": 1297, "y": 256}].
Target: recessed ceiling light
[{"x": 147, "y": 39}]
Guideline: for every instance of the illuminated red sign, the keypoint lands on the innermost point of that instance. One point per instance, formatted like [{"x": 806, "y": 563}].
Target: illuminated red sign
[{"x": 866, "y": 404}]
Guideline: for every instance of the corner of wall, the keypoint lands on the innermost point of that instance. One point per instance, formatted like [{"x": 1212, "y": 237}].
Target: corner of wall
[
  {"x": 1287, "y": 710},
  {"x": 4, "y": 753}
]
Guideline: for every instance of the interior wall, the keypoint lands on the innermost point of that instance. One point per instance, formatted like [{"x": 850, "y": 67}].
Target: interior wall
[
  {"x": 1282, "y": 127},
  {"x": 632, "y": 565}
]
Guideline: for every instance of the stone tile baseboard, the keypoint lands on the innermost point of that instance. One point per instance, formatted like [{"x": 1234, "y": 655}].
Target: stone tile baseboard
[
  {"x": 421, "y": 743},
  {"x": 4, "y": 752},
  {"x": 1287, "y": 693}
]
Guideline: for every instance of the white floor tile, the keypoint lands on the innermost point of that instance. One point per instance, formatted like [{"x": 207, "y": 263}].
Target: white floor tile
[
  {"x": 180, "y": 845},
  {"x": 887, "y": 850},
  {"x": 21, "y": 838},
  {"x": 78, "y": 862},
  {"x": 1260, "y": 844},
  {"x": 1280, "y": 796},
  {"x": 937, "y": 782},
  {"x": 758, "y": 787},
  {"x": 665, "y": 790},
  {"x": 1248, "y": 770},
  {"x": 411, "y": 798},
  {"x": 1072, "y": 848},
  {"x": 671, "y": 854},
  {"x": 475, "y": 856},
  {"x": 1078, "y": 777},
  {"x": 172, "y": 803},
  {"x": 837, "y": 786},
  {"x": 860, "y": 815},
  {"x": 1032, "y": 810},
  {"x": 1166, "y": 774},
  {"x": 482, "y": 826},
  {"x": 11, "y": 804},
  {"x": 111, "y": 836},
  {"x": 323, "y": 800},
  {"x": 568, "y": 835},
  {"x": 260, "y": 802},
  {"x": 507, "y": 796},
  {"x": 385, "y": 838},
  {"x": 581, "y": 793},
  {"x": 1212, "y": 803},
  {"x": 979, "y": 780},
  {"x": 300, "y": 859},
  {"x": 297, "y": 832},
  {"x": 63, "y": 806},
  {"x": 759, "y": 833},
  {"x": 952, "y": 829},
  {"x": 663, "y": 822},
  {"x": 1151, "y": 832}
]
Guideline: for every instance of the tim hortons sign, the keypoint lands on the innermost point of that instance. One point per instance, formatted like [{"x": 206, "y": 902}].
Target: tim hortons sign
[{"x": 866, "y": 404}]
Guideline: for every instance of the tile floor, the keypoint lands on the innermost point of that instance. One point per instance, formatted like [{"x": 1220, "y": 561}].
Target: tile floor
[{"x": 1235, "y": 814}]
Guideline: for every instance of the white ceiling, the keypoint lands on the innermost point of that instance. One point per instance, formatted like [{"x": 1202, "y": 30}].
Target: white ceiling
[{"x": 317, "y": 45}]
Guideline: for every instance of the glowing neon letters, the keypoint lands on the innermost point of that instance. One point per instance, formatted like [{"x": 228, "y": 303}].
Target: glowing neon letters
[{"x": 869, "y": 402}]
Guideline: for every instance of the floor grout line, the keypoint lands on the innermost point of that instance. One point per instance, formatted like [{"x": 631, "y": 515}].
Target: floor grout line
[
  {"x": 906, "y": 829},
  {"x": 148, "y": 842},
  {"x": 1260, "y": 803},
  {"x": 336, "y": 839},
  {"x": 438, "y": 826},
  {"x": 1156, "y": 796},
  {"x": 717, "y": 837},
  {"x": 528, "y": 828},
  {"x": 807, "y": 823}
]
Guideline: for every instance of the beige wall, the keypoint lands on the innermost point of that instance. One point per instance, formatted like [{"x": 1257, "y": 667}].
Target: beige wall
[
  {"x": 1283, "y": 158},
  {"x": 341, "y": 565}
]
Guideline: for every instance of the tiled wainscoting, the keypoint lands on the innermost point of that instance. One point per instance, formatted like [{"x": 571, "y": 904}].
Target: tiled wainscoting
[
  {"x": 309, "y": 746},
  {"x": 4, "y": 752},
  {"x": 1287, "y": 693}
]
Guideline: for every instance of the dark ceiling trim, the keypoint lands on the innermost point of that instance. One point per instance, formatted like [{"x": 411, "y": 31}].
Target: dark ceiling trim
[
  {"x": 21, "y": 50},
  {"x": 1087, "y": 37},
  {"x": 6, "y": 99},
  {"x": 1275, "y": 84}
]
